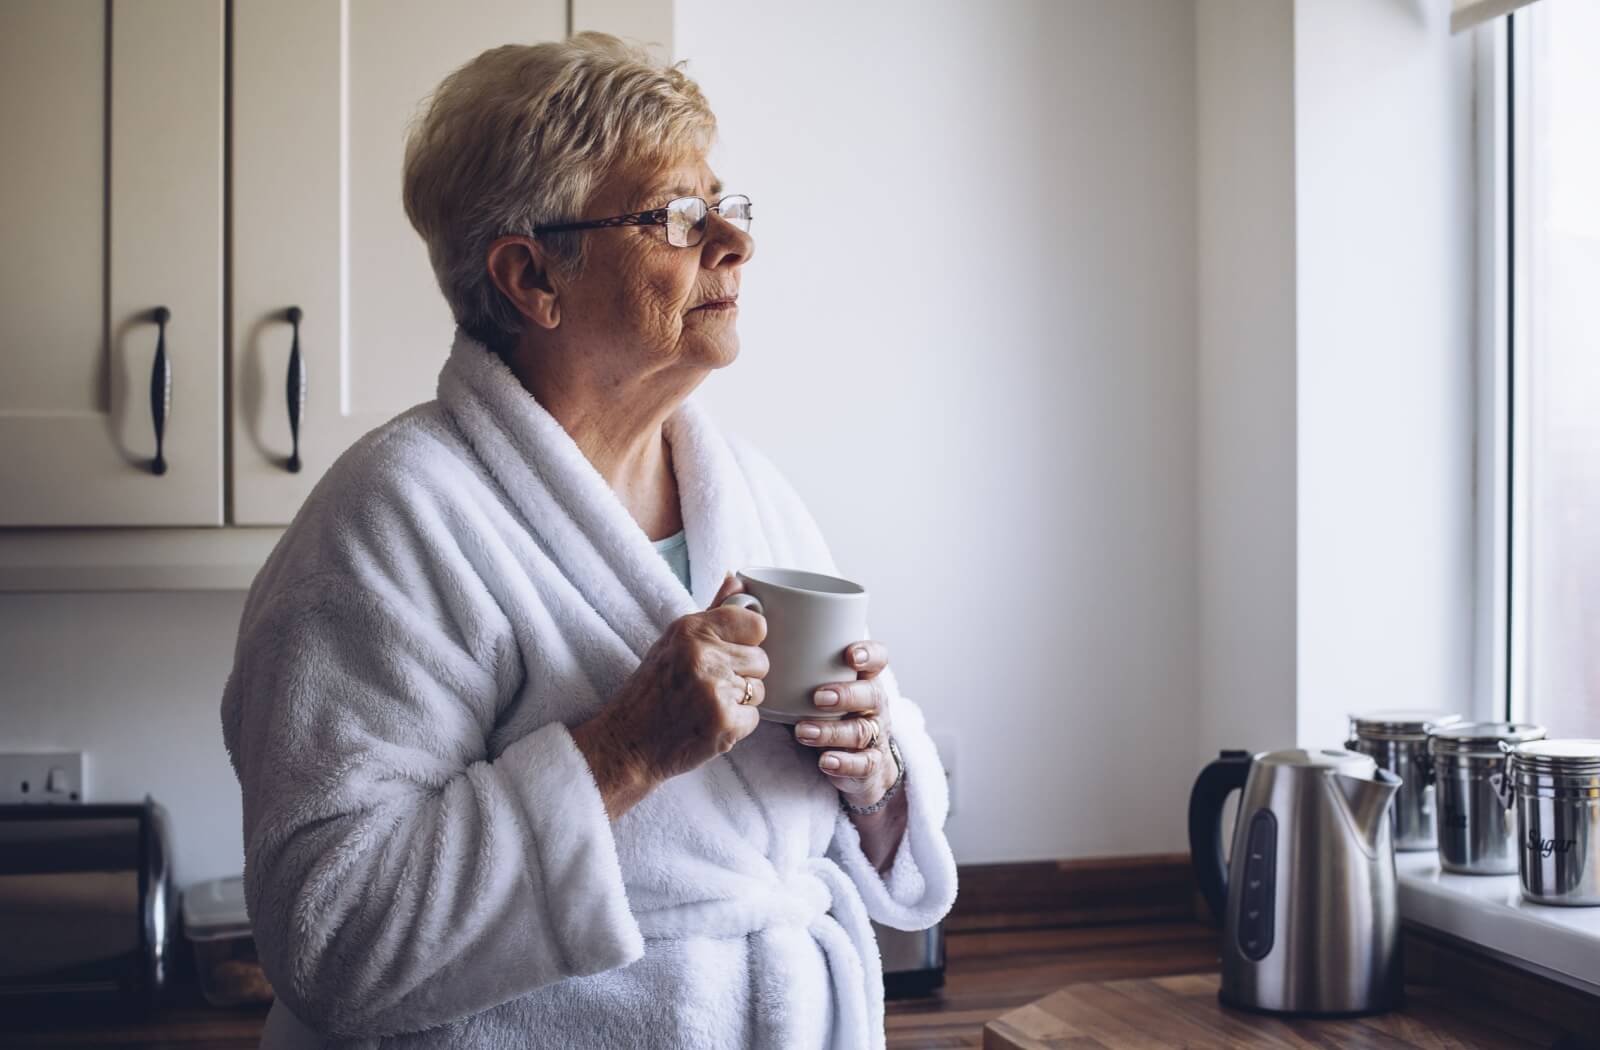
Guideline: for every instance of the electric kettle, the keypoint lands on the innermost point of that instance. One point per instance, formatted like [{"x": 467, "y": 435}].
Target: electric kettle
[{"x": 1310, "y": 920}]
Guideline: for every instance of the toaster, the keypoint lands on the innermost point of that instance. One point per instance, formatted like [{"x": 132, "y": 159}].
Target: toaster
[{"x": 85, "y": 906}]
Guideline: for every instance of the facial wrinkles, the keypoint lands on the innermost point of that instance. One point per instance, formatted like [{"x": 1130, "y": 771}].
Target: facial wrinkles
[
  {"x": 654, "y": 284},
  {"x": 653, "y": 289}
]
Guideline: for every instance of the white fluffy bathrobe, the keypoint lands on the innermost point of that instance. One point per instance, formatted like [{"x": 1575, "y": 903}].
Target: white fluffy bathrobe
[{"x": 428, "y": 862}]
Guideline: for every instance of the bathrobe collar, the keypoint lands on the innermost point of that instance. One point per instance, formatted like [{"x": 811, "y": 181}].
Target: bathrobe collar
[{"x": 577, "y": 518}]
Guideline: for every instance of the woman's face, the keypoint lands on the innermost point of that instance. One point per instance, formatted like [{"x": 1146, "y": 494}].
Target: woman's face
[{"x": 645, "y": 303}]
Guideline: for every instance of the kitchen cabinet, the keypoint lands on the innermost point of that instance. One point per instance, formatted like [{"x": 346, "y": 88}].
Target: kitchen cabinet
[
  {"x": 239, "y": 164},
  {"x": 111, "y": 115},
  {"x": 318, "y": 222}
]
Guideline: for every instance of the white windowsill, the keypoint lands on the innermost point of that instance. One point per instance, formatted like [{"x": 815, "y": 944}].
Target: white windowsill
[{"x": 1488, "y": 911}]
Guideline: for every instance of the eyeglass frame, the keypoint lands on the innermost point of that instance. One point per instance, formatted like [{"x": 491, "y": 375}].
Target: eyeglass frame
[{"x": 653, "y": 217}]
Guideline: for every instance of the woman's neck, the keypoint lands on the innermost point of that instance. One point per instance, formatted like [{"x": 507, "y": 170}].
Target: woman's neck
[{"x": 618, "y": 423}]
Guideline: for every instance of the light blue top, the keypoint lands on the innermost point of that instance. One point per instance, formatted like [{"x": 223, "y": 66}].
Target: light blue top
[{"x": 675, "y": 549}]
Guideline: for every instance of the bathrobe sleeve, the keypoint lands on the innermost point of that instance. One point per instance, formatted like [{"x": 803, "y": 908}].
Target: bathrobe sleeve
[
  {"x": 920, "y": 885},
  {"x": 398, "y": 877}
]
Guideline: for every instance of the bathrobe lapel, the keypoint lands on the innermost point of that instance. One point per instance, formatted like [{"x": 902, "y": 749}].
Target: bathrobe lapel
[
  {"x": 576, "y": 517},
  {"x": 581, "y": 525}
]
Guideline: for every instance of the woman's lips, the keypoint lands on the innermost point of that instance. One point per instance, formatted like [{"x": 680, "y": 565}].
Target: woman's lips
[{"x": 718, "y": 305}]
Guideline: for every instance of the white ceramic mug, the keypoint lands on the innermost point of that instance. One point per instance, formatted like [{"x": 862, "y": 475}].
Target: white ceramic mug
[{"x": 811, "y": 620}]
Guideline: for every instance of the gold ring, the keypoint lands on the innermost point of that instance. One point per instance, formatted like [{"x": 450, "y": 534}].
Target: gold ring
[
  {"x": 749, "y": 690},
  {"x": 877, "y": 731}
]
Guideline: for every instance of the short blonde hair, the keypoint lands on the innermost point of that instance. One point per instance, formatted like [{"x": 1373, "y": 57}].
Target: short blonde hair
[{"x": 520, "y": 137}]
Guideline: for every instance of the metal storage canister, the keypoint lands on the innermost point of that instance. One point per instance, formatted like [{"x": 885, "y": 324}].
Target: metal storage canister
[
  {"x": 1398, "y": 740},
  {"x": 1556, "y": 788},
  {"x": 1477, "y": 833}
]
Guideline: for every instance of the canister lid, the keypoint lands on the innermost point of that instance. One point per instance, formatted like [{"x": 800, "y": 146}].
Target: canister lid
[
  {"x": 1559, "y": 758},
  {"x": 213, "y": 910},
  {"x": 1484, "y": 737},
  {"x": 1576, "y": 749},
  {"x": 1400, "y": 723}
]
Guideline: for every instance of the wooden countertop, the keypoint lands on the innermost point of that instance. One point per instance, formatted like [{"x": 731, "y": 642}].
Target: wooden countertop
[
  {"x": 1184, "y": 1011},
  {"x": 988, "y": 973}
]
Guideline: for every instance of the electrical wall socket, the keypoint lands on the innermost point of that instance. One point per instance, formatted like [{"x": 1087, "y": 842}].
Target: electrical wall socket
[
  {"x": 42, "y": 777},
  {"x": 945, "y": 743}
]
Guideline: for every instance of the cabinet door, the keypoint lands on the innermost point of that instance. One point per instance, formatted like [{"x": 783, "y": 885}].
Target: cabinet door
[
  {"x": 110, "y": 206},
  {"x": 322, "y": 94}
]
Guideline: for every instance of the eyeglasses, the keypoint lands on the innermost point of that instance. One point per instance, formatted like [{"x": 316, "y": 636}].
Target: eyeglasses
[{"x": 685, "y": 219}]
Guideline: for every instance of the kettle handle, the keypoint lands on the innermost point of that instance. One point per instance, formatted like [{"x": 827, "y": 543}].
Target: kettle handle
[{"x": 1211, "y": 789}]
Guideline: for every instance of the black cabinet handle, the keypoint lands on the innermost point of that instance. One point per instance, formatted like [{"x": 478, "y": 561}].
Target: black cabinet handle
[
  {"x": 296, "y": 389},
  {"x": 160, "y": 389}
]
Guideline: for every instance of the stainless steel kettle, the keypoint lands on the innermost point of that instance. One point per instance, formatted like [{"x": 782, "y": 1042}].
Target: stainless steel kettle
[{"x": 1310, "y": 921}]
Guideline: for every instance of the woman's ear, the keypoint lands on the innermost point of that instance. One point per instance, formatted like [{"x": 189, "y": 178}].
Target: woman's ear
[{"x": 519, "y": 267}]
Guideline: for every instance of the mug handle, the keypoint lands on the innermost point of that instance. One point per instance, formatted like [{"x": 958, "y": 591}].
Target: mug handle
[{"x": 745, "y": 601}]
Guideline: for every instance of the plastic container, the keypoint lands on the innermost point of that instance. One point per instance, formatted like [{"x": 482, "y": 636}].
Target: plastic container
[{"x": 217, "y": 924}]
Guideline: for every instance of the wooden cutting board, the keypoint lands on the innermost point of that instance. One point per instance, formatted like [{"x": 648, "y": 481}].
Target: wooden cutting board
[{"x": 1184, "y": 1012}]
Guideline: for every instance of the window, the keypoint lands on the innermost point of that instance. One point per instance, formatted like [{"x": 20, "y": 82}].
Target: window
[{"x": 1552, "y": 387}]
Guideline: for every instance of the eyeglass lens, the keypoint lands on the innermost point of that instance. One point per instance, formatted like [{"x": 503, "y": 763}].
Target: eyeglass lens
[{"x": 686, "y": 218}]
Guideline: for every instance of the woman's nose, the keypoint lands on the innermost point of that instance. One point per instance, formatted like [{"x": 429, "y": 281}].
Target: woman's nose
[{"x": 725, "y": 244}]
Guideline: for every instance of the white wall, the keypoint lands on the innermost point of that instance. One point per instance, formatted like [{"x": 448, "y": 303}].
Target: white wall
[
  {"x": 136, "y": 681},
  {"x": 1385, "y": 218},
  {"x": 1336, "y": 365},
  {"x": 968, "y": 335},
  {"x": 1246, "y": 393}
]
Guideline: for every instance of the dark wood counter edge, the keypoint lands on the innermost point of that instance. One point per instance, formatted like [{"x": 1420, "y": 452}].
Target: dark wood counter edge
[{"x": 1090, "y": 892}]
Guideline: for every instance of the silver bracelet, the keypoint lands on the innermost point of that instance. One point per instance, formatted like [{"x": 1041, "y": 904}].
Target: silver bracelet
[{"x": 894, "y": 789}]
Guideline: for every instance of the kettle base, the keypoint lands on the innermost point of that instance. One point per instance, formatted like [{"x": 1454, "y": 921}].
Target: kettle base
[{"x": 1323, "y": 1015}]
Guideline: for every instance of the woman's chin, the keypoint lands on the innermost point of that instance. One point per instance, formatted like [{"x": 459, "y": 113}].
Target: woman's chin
[{"x": 718, "y": 352}]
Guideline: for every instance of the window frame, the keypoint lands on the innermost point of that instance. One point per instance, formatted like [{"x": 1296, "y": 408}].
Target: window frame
[
  {"x": 1488, "y": 911},
  {"x": 1501, "y": 56}
]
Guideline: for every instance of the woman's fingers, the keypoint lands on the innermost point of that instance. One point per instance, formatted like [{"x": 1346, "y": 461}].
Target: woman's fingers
[
  {"x": 864, "y": 695},
  {"x": 749, "y": 659},
  {"x": 851, "y": 770},
  {"x": 735, "y": 690},
  {"x": 734, "y": 624},
  {"x": 852, "y": 733},
  {"x": 867, "y": 657},
  {"x": 731, "y": 584}
]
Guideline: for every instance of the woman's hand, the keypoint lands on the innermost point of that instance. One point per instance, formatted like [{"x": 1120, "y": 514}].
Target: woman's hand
[
  {"x": 855, "y": 749},
  {"x": 682, "y": 706}
]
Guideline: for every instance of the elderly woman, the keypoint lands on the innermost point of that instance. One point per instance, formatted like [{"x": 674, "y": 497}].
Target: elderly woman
[{"x": 505, "y": 780}]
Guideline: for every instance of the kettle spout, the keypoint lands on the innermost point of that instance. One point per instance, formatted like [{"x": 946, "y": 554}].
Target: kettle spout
[{"x": 1366, "y": 802}]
